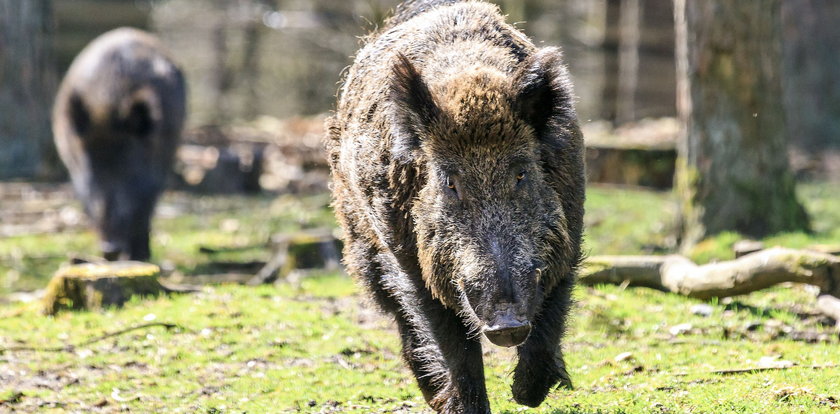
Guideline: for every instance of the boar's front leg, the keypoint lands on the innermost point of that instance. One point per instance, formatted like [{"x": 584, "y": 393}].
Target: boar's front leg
[
  {"x": 444, "y": 357},
  {"x": 447, "y": 364},
  {"x": 541, "y": 364}
]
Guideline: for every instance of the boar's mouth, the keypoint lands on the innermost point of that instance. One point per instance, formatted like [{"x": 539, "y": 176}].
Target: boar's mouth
[
  {"x": 502, "y": 302},
  {"x": 507, "y": 332},
  {"x": 506, "y": 324}
]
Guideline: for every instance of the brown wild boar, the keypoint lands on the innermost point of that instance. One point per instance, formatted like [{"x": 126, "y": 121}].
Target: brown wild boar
[
  {"x": 117, "y": 122},
  {"x": 458, "y": 180}
]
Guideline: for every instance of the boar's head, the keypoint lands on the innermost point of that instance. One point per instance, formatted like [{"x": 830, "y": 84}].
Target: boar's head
[{"x": 492, "y": 234}]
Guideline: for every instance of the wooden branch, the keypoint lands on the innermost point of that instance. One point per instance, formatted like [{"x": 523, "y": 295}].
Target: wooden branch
[
  {"x": 760, "y": 369},
  {"x": 746, "y": 274}
]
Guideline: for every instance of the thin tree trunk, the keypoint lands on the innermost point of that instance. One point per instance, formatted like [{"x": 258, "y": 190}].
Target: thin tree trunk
[
  {"x": 251, "y": 68},
  {"x": 811, "y": 79},
  {"x": 610, "y": 49},
  {"x": 27, "y": 83},
  {"x": 733, "y": 172},
  {"x": 222, "y": 76},
  {"x": 629, "y": 38}
]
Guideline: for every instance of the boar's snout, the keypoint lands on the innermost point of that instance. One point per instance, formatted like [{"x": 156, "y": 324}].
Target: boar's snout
[
  {"x": 506, "y": 330},
  {"x": 505, "y": 306}
]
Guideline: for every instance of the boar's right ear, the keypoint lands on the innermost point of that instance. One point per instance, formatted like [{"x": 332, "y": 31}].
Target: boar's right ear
[
  {"x": 544, "y": 93},
  {"x": 139, "y": 122},
  {"x": 79, "y": 115},
  {"x": 414, "y": 108},
  {"x": 140, "y": 113}
]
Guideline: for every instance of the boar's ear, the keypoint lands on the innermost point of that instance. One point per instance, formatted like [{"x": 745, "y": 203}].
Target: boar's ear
[
  {"x": 543, "y": 92},
  {"x": 139, "y": 121},
  {"x": 414, "y": 108},
  {"x": 79, "y": 115},
  {"x": 140, "y": 111}
]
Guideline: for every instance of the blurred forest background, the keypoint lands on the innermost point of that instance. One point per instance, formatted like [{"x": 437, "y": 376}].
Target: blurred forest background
[
  {"x": 246, "y": 58},
  {"x": 262, "y": 74},
  {"x": 282, "y": 58}
]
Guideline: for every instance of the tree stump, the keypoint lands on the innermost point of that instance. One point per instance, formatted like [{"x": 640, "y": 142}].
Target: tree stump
[
  {"x": 99, "y": 285},
  {"x": 642, "y": 153},
  {"x": 314, "y": 249}
]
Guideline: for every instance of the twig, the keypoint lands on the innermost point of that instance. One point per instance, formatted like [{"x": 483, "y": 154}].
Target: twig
[
  {"x": 229, "y": 249},
  {"x": 72, "y": 347},
  {"x": 227, "y": 265},
  {"x": 271, "y": 271},
  {"x": 759, "y": 369}
]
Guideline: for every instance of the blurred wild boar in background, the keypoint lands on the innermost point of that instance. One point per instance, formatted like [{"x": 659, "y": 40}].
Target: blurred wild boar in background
[
  {"x": 117, "y": 122},
  {"x": 458, "y": 179}
]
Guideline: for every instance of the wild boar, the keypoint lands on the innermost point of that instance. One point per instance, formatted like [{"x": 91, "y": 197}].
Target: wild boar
[
  {"x": 117, "y": 121},
  {"x": 458, "y": 180}
]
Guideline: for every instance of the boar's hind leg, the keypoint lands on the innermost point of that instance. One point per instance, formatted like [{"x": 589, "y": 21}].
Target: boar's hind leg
[{"x": 541, "y": 364}]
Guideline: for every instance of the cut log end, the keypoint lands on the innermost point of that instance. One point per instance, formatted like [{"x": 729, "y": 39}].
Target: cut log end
[{"x": 99, "y": 285}]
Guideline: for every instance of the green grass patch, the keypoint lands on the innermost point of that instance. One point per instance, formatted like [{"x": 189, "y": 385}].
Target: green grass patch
[{"x": 317, "y": 345}]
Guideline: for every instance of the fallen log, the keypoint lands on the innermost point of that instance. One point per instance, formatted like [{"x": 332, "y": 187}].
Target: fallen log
[{"x": 748, "y": 273}]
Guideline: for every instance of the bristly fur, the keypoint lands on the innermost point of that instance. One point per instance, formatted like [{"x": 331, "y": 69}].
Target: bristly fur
[{"x": 457, "y": 166}]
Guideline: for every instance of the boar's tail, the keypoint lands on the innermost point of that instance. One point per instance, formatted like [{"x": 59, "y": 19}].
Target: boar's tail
[{"x": 411, "y": 8}]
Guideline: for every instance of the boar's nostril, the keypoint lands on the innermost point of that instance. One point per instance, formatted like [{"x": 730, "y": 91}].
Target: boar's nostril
[{"x": 510, "y": 333}]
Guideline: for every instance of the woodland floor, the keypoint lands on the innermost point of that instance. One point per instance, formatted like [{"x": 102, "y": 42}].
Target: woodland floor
[{"x": 313, "y": 344}]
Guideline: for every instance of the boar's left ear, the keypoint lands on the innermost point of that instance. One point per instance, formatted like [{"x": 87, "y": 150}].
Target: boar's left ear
[
  {"x": 79, "y": 114},
  {"x": 139, "y": 121},
  {"x": 543, "y": 92},
  {"x": 414, "y": 108}
]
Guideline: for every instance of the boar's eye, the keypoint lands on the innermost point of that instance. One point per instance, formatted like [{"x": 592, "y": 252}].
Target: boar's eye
[
  {"x": 453, "y": 186},
  {"x": 520, "y": 176},
  {"x": 450, "y": 184}
]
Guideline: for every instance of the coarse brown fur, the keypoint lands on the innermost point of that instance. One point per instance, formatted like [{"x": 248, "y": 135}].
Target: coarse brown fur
[
  {"x": 458, "y": 180},
  {"x": 117, "y": 122}
]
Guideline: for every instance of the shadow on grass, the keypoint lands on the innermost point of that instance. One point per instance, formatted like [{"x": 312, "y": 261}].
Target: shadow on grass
[
  {"x": 570, "y": 411},
  {"x": 768, "y": 313}
]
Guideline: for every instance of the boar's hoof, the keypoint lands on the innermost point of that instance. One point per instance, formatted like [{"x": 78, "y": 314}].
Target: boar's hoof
[
  {"x": 508, "y": 335},
  {"x": 535, "y": 377}
]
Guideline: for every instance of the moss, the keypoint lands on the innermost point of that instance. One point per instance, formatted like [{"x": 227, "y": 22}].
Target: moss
[
  {"x": 115, "y": 269},
  {"x": 691, "y": 229},
  {"x": 717, "y": 247}
]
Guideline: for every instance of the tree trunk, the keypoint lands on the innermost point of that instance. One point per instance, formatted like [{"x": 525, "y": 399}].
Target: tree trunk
[
  {"x": 811, "y": 81},
  {"x": 733, "y": 172},
  {"x": 27, "y": 84}
]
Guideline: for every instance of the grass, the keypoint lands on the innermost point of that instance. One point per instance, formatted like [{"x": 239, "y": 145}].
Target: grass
[
  {"x": 318, "y": 346},
  {"x": 314, "y": 348}
]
